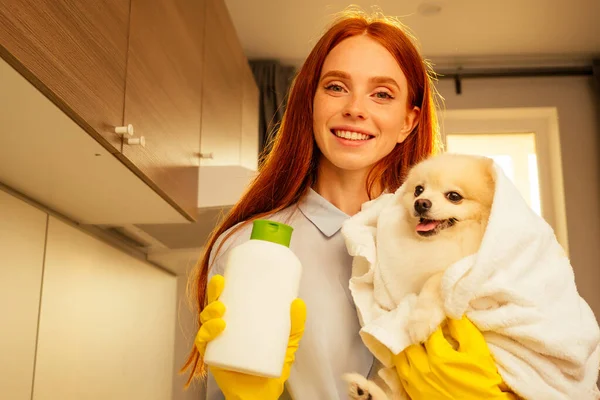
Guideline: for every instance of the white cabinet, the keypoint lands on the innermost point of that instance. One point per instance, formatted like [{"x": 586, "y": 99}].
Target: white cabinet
[
  {"x": 22, "y": 237},
  {"x": 107, "y": 323},
  {"x": 80, "y": 319}
]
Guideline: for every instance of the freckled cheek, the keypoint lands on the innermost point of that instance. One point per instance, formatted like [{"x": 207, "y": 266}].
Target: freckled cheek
[
  {"x": 318, "y": 111},
  {"x": 323, "y": 111},
  {"x": 390, "y": 124}
]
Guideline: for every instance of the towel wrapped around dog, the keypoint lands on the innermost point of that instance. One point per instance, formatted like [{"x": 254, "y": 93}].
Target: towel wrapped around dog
[{"x": 518, "y": 289}]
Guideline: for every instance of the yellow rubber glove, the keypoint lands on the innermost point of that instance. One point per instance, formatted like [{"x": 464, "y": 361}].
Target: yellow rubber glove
[
  {"x": 436, "y": 370},
  {"x": 235, "y": 385}
]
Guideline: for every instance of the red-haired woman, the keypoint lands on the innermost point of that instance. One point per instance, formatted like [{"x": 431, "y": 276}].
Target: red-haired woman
[{"x": 360, "y": 113}]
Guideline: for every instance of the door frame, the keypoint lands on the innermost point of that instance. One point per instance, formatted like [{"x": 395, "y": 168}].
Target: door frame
[{"x": 543, "y": 122}]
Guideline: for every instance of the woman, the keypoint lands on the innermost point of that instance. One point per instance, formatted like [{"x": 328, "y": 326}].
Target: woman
[{"x": 360, "y": 113}]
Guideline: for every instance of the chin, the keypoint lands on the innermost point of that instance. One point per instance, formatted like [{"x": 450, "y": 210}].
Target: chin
[{"x": 350, "y": 162}]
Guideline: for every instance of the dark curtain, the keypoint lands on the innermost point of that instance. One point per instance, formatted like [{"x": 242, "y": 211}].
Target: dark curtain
[
  {"x": 273, "y": 80},
  {"x": 596, "y": 70}
]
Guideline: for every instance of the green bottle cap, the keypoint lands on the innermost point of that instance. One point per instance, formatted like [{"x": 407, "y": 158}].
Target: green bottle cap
[{"x": 271, "y": 231}]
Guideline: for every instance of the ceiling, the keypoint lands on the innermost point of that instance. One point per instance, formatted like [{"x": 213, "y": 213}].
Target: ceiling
[{"x": 472, "y": 32}]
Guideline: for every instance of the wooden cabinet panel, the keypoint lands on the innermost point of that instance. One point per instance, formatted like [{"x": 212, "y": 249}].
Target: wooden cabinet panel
[
  {"x": 75, "y": 53},
  {"x": 107, "y": 322},
  {"x": 250, "y": 121},
  {"x": 174, "y": 69},
  {"x": 163, "y": 95},
  {"x": 22, "y": 240},
  {"x": 223, "y": 89}
]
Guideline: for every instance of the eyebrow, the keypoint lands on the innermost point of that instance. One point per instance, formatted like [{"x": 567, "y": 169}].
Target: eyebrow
[
  {"x": 384, "y": 80},
  {"x": 376, "y": 79},
  {"x": 336, "y": 74}
]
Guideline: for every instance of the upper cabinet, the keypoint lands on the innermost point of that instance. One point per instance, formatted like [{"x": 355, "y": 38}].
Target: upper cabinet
[
  {"x": 75, "y": 52},
  {"x": 250, "y": 121},
  {"x": 223, "y": 89},
  {"x": 172, "y": 70},
  {"x": 163, "y": 95}
]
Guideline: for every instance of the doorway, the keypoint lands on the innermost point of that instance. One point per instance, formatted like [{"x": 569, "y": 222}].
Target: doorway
[{"x": 525, "y": 143}]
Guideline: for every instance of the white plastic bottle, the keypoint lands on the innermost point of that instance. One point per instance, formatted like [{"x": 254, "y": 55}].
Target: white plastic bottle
[{"x": 262, "y": 277}]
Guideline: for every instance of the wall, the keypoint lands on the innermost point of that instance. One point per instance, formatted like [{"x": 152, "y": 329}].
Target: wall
[
  {"x": 578, "y": 105},
  {"x": 185, "y": 332},
  {"x": 85, "y": 319},
  {"x": 22, "y": 247}
]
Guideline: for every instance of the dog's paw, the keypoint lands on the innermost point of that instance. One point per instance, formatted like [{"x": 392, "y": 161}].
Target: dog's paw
[
  {"x": 422, "y": 323},
  {"x": 359, "y": 388},
  {"x": 420, "y": 330}
]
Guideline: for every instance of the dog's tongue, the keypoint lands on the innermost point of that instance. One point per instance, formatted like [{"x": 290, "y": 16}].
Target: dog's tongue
[{"x": 427, "y": 226}]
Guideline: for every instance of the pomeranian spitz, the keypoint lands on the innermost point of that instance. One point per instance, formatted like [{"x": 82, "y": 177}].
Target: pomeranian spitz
[{"x": 448, "y": 199}]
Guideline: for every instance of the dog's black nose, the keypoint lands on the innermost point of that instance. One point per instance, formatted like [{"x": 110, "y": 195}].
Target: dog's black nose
[{"x": 422, "y": 205}]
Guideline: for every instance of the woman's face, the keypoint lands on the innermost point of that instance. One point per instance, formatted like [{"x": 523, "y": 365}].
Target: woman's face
[{"x": 360, "y": 109}]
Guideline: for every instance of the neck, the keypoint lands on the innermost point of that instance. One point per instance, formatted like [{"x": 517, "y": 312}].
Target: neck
[{"x": 347, "y": 190}]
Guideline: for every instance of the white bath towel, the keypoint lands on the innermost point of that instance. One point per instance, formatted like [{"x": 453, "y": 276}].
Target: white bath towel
[{"x": 519, "y": 290}]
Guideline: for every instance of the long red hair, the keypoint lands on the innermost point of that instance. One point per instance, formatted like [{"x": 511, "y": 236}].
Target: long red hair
[{"x": 289, "y": 168}]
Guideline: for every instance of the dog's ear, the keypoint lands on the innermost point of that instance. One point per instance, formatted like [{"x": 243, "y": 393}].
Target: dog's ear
[
  {"x": 489, "y": 167},
  {"x": 490, "y": 174}
]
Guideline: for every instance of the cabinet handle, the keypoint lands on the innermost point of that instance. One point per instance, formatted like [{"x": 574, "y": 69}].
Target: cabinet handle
[
  {"x": 124, "y": 130},
  {"x": 136, "y": 141},
  {"x": 206, "y": 155}
]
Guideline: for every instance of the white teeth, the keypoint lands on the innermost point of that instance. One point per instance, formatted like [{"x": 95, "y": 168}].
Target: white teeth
[{"x": 352, "y": 135}]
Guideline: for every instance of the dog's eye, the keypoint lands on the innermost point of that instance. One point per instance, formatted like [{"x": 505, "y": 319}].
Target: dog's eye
[
  {"x": 418, "y": 190},
  {"x": 454, "y": 197}
]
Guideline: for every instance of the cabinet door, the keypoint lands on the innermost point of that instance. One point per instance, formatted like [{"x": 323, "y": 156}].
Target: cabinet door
[
  {"x": 223, "y": 89},
  {"x": 250, "y": 121},
  {"x": 74, "y": 52},
  {"x": 22, "y": 240},
  {"x": 107, "y": 322},
  {"x": 163, "y": 95}
]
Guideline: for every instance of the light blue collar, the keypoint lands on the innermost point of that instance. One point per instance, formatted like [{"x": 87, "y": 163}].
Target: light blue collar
[{"x": 324, "y": 215}]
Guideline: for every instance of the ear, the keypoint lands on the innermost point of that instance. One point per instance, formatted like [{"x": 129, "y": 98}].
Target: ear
[
  {"x": 488, "y": 164},
  {"x": 410, "y": 122}
]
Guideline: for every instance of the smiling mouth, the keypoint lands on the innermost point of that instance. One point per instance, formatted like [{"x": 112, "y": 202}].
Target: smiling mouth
[
  {"x": 429, "y": 227},
  {"x": 349, "y": 135}
]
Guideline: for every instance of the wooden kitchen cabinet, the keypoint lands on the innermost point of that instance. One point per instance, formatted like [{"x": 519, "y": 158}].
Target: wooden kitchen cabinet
[
  {"x": 163, "y": 95},
  {"x": 250, "y": 120},
  {"x": 173, "y": 69},
  {"x": 223, "y": 89},
  {"x": 75, "y": 53}
]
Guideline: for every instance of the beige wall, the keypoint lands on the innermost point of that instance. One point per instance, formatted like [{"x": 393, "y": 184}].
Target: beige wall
[
  {"x": 22, "y": 244},
  {"x": 106, "y": 328},
  {"x": 185, "y": 333},
  {"x": 83, "y": 318},
  {"x": 579, "y": 122}
]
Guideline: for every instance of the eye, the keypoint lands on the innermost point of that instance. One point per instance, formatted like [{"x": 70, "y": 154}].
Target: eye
[
  {"x": 454, "y": 197},
  {"x": 418, "y": 190},
  {"x": 334, "y": 88},
  {"x": 383, "y": 95}
]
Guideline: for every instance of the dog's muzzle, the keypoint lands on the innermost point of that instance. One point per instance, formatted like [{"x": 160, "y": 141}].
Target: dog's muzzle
[{"x": 422, "y": 206}]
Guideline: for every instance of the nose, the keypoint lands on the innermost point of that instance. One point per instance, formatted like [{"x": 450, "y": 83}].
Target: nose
[
  {"x": 355, "y": 108},
  {"x": 422, "y": 205}
]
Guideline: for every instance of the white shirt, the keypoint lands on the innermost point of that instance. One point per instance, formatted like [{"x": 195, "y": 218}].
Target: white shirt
[{"x": 331, "y": 345}]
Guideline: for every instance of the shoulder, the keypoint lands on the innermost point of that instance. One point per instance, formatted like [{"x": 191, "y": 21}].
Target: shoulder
[
  {"x": 240, "y": 233},
  {"x": 229, "y": 239}
]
